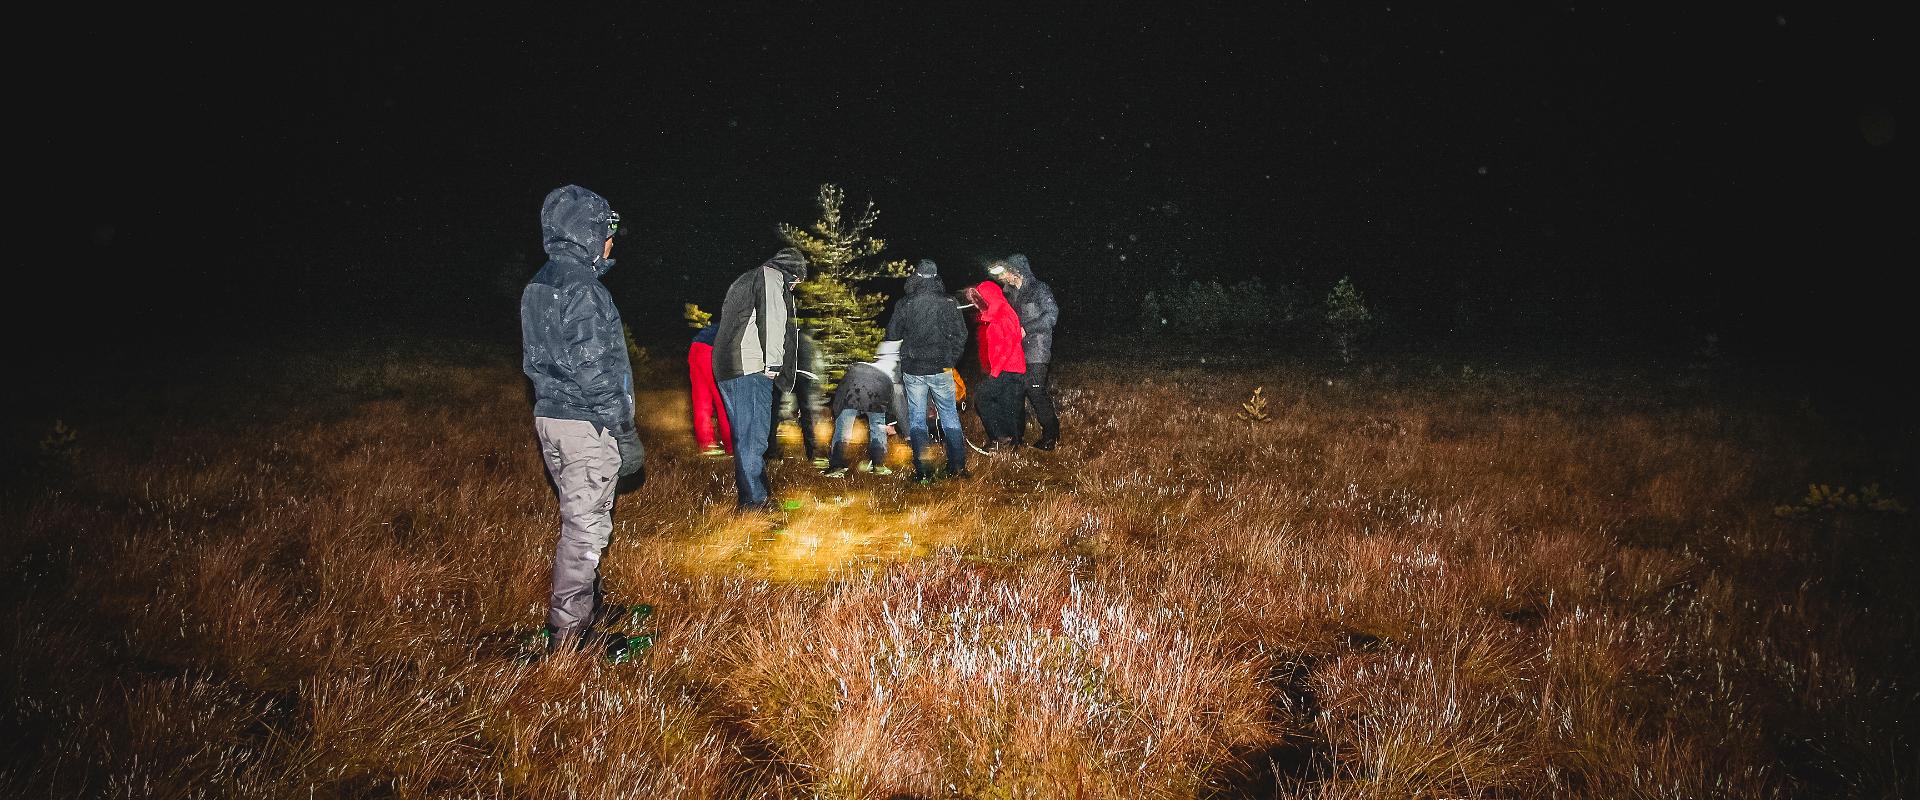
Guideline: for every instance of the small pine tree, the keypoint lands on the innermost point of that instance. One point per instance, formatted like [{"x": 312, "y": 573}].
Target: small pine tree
[
  {"x": 843, "y": 257},
  {"x": 637, "y": 356},
  {"x": 1255, "y": 408},
  {"x": 1347, "y": 316},
  {"x": 696, "y": 319}
]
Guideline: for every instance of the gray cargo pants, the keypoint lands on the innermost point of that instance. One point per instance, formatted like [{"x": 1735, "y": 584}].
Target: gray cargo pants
[{"x": 584, "y": 463}]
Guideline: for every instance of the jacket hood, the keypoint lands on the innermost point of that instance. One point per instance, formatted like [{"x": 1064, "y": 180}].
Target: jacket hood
[
  {"x": 1018, "y": 261},
  {"x": 791, "y": 261},
  {"x": 573, "y": 225},
  {"x": 993, "y": 301}
]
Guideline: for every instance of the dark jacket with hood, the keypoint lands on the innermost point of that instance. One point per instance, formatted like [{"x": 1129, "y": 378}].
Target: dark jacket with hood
[
  {"x": 931, "y": 331},
  {"x": 756, "y": 321},
  {"x": 871, "y": 386},
  {"x": 572, "y": 345},
  {"x": 1038, "y": 312}
]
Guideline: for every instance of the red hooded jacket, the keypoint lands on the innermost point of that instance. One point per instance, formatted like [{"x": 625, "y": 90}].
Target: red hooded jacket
[{"x": 1000, "y": 332}]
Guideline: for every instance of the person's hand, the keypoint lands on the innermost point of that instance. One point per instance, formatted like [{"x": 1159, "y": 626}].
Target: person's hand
[
  {"x": 772, "y": 371},
  {"x": 633, "y": 456},
  {"x": 891, "y": 430}
]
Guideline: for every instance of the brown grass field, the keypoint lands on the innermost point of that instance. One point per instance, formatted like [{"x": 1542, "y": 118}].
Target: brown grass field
[{"x": 1437, "y": 581}]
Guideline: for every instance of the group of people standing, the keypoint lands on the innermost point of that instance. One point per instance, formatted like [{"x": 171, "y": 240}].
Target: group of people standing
[{"x": 574, "y": 353}]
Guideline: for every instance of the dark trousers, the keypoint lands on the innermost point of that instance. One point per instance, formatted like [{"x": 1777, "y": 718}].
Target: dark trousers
[
  {"x": 1038, "y": 393},
  {"x": 999, "y": 402},
  {"x": 801, "y": 405}
]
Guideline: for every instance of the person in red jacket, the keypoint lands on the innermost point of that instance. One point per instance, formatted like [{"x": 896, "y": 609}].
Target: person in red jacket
[
  {"x": 1000, "y": 394},
  {"x": 706, "y": 396}
]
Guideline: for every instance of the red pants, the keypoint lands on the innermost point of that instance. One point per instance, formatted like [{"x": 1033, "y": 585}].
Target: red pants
[{"x": 706, "y": 399}]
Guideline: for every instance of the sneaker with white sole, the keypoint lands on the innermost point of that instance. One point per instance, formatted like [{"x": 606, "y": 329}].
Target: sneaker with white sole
[{"x": 835, "y": 473}]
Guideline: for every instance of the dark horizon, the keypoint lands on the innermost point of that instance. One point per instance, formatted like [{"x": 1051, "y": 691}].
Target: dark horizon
[{"x": 1625, "y": 175}]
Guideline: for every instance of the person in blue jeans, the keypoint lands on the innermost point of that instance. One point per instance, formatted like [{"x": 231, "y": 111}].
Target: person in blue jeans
[
  {"x": 870, "y": 389},
  {"x": 756, "y": 349},
  {"x": 938, "y": 388},
  {"x": 932, "y": 335}
]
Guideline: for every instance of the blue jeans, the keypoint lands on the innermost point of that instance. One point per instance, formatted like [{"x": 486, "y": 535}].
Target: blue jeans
[
  {"x": 940, "y": 386},
  {"x": 843, "y": 430},
  {"x": 749, "y": 400}
]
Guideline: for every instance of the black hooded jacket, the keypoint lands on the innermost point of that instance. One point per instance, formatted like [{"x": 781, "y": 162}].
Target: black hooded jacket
[
  {"x": 1033, "y": 301},
  {"x": 573, "y": 347},
  {"x": 932, "y": 333}
]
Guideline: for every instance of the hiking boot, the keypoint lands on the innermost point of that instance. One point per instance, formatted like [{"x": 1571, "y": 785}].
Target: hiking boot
[
  {"x": 622, "y": 649},
  {"x": 881, "y": 469},
  {"x": 819, "y": 463},
  {"x": 713, "y": 451},
  {"x": 837, "y": 472},
  {"x": 1046, "y": 443}
]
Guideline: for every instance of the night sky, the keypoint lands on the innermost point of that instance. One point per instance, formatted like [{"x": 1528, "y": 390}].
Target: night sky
[{"x": 1628, "y": 174}]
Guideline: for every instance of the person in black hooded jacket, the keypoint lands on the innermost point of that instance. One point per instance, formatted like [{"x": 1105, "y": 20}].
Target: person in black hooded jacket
[
  {"x": 932, "y": 335},
  {"x": 574, "y": 350},
  {"x": 1032, "y": 299}
]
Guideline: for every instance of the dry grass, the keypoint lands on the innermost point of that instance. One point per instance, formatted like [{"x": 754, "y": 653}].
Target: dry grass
[{"x": 1497, "y": 585}]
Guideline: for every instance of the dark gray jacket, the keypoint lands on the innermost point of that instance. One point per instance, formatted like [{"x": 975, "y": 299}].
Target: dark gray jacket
[
  {"x": 756, "y": 321},
  {"x": 867, "y": 387},
  {"x": 1033, "y": 301},
  {"x": 573, "y": 347}
]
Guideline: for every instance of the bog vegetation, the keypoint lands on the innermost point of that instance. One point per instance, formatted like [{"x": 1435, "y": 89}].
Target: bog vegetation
[{"x": 1405, "y": 582}]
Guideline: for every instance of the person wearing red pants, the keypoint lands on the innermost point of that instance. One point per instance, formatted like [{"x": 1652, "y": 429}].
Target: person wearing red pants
[{"x": 706, "y": 396}]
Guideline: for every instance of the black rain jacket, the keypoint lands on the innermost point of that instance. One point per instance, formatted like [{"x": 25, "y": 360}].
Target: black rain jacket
[
  {"x": 1033, "y": 301},
  {"x": 932, "y": 333},
  {"x": 573, "y": 347}
]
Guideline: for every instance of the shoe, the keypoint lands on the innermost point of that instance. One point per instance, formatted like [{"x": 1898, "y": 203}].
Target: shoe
[
  {"x": 713, "y": 451},
  {"x": 1046, "y": 443},
  {"x": 621, "y": 649},
  {"x": 961, "y": 474},
  {"x": 881, "y": 469},
  {"x": 819, "y": 463},
  {"x": 840, "y": 472}
]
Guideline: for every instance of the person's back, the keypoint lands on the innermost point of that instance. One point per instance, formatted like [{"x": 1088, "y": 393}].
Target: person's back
[
  {"x": 932, "y": 334},
  {"x": 869, "y": 388}
]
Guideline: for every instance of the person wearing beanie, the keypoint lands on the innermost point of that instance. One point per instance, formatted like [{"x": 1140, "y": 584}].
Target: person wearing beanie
[
  {"x": 574, "y": 350},
  {"x": 1004, "y": 363},
  {"x": 872, "y": 389},
  {"x": 755, "y": 350},
  {"x": 1033, "y": 301},
  {"x": 932, "y": 335}
]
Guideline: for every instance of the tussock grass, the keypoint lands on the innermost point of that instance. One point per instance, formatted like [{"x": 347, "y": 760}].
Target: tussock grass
[{"x": 1442, "y": 583}]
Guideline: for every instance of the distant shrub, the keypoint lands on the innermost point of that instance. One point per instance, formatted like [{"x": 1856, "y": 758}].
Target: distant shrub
[
  {"x": 1825, "y": 498},
  {"x": 1208, "y": 308},
  {"x": 1348, "y": 318}
]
